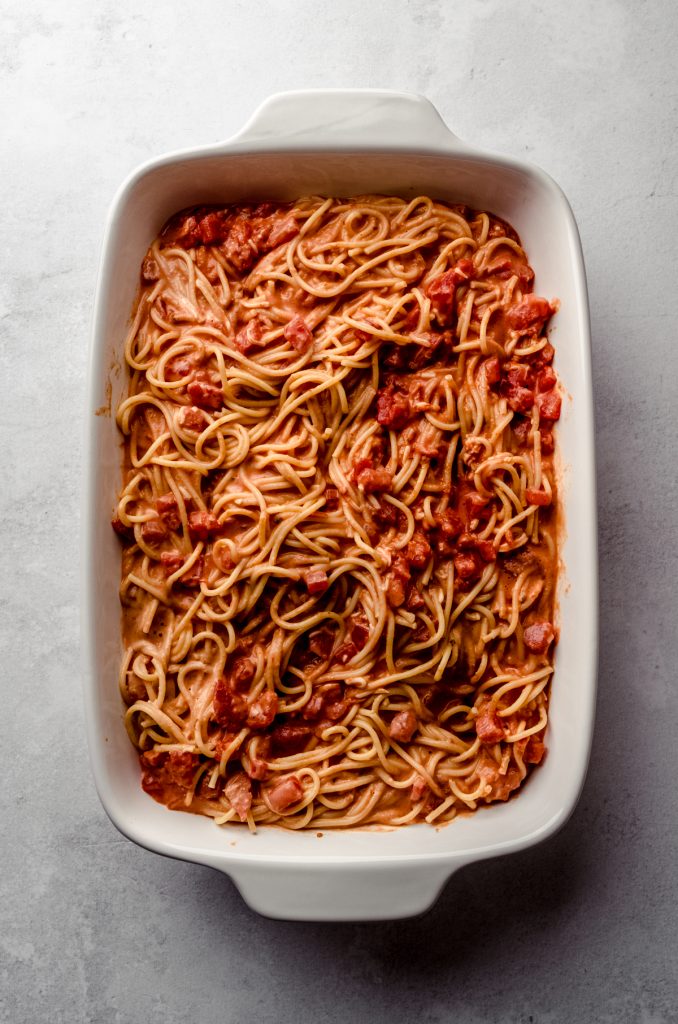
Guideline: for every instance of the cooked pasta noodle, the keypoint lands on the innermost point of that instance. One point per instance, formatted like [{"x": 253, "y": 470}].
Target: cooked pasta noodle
[{"x": 338, "y": 513}]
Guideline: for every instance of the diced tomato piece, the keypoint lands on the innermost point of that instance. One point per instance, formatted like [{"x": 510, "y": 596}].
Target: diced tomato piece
[
  {"x": 467, "y": 565},
  {"x": 345, "y": 652},
  {"x": 504, "y": 269},
  {"x": 395, "y": 591},
  {"x": 412, "y": 319},
  {"x": 371, "y": 478},
  {"x": 316, "y": 581},
  {"x": 519, "y": 374},
  {"x": 520, "y": 399},
  {"x": 544, "y": 357},
  {"x": 418, "y": 551},
  {"x": 212, "y": 227},
  {"x": 187, "y": 234},
  {"x": 286, "y": 792},
  {"x": 250, "y": 337},
  {"x": 360, "y": 631},
  {"x": 336, "y": 710},
  {"x": 237, "y": 247},
  {"x": 403, "y": 726},
  {"x": 298, "y": 334},
  {"x": 181, "y": 767},
  {"x": 419, "y": 788},
  {"x": 168, "y": 510},
  {"x": 314, "y": 707},
  {"x": 400, "y": 567},
  {"x": 386, "y": 514},
  {"x": 501, "y": 786},
  {"x": 242, "y": 672},
  {"x": 205, "y": 396},
  {"x": 179, "y": 367},
  {"x": 171, "y": 561},
  {"x": 441, "y": 291},
  {"x": 290, "y": 738},
  {"x": 202, "y": 524},
  {"x": 534, "y": 497},
  {"x": 539, "y": 636},
  {"x": 326, "y": 698},
  {"x": 448, "y": 523},
  {"x": 530, "y": 313},
  {"x": 485, "y": 548},
  {"x": 549, "y": 405},
  {"x": 283, "y": 229},
  {"x": 192, "y": 418},
  {"x": 394, "y": 409},
  {"x": 230, "y": 709},
  {"x": 414, "y": 602},
  {"x": 163, "y": 768},
  {"x": 238, "y": 791},
  {"x": 263, "y": 710},
  {"x": 321, "y": 642},
  {"x": 397, "y": 580},
  {"x": 492, "y": 370},
  {"x": 153, "y": 531},
  {"x": 547, "y": 379},
  {"x": 150, "y": 271},
  {"x": 195, "y": 575},
  {"x": 474, "y": 505},
  {"x": 488, "y": 725},
  {"x": 332, "y": 692}
]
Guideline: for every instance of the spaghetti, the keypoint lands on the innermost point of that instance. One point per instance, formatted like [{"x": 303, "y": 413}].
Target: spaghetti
[{"x": 338, "y": 513}]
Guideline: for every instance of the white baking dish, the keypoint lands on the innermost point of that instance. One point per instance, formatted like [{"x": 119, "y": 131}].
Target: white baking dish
[{"x": 344, "y": 143}]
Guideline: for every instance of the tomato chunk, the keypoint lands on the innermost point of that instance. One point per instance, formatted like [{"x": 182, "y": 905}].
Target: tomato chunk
[
  {"x": 230, "y": 709},
  {"x": 394, "y": 409},
  {"x": 403, "y": 726},
  {"x": 316, "y": 581},
  {"x": 168, "y": 510},
  {"x": 534, "y": 497},
  {"x": 192, "y": 418},
  {"x": 549, "y": 405},
  {"x": 371, "y": 478},
  {"x": 539, "y": 636},
  {"x": 288, "y": 791},
  {"x": 153, "y": 531},
  {"x": 442, "y": 290},
  {"x": 262, "y": 712},
  {"x": 488, "y": 725},
  {"x": 418, "y": 551},
  {"x": 205, "y": 396},
  {"x": 298, "y": 334},
  {"x": 531, "y": 313},
  {"x": 520, "y": 399},
  {"x": 250, "y": 337},
  {"x": 202, "y": 524},
  {"x": 238, "y": 790}
]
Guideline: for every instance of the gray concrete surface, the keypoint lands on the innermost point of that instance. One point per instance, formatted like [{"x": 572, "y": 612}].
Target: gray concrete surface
[{"x": 584, "y": 928}]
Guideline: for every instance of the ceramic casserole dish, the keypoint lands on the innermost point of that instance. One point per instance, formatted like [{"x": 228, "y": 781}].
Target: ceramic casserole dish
[{"x": 344, "y": 143}]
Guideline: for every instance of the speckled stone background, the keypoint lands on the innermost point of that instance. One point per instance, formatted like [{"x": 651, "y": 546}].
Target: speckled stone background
[{"x": 582, "y": 929}]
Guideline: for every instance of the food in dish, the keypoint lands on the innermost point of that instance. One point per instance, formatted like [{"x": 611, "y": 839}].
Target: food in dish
[{"x": 338, "y": 513}]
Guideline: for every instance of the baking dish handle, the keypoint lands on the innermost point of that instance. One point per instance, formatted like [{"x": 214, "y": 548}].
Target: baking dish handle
[
  {"x": 346, "y": 892},
  {"x": 357, "y": 118}
]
